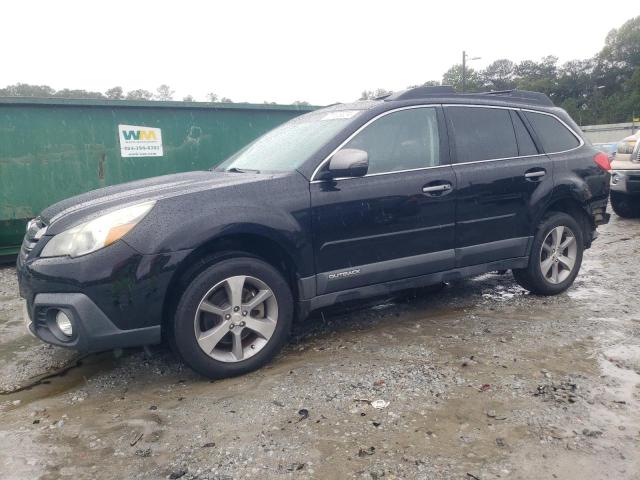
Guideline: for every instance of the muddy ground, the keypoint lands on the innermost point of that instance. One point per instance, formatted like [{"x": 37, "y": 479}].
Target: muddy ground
[{"x": 482, "y": 381}]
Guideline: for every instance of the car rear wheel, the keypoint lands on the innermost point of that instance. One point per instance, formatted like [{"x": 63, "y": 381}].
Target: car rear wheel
[
  {"x": 625, "y": 206},
  {"x": 555, "y": 258},
  {"x": 233, "y": 317}
]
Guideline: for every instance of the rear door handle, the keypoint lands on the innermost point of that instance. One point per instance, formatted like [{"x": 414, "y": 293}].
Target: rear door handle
[
  {"x": 535, "y": 174},
  {"x": 437, "y": 189}
]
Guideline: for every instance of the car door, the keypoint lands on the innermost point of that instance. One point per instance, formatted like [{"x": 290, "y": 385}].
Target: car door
[
  {"x": 398, "y": 220},
  {"x": 499, "y": 172}
]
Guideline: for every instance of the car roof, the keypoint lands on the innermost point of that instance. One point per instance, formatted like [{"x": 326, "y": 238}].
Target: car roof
[{"x": 447, "y": 95}]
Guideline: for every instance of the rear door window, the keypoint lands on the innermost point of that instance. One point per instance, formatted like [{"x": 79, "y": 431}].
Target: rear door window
[
  {"x": 553, "y": 135},
  {"x": 481, "y": 133}
]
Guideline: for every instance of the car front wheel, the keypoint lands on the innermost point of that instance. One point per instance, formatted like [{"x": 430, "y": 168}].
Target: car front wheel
[
  {"x": 555, "y": 258},
  {"x": 233, "y": 317}
]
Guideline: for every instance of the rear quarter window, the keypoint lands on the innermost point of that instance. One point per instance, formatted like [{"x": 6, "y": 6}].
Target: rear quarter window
[{"x": 553, "y": 135}]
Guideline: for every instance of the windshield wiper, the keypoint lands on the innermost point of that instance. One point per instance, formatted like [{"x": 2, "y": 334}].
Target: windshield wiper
[{"x": 241, "y": 170}]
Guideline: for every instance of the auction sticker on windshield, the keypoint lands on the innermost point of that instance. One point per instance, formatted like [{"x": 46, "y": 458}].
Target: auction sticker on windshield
[
  {"x": 340, "y": 114},
  {"x": 137, "y": 141}
]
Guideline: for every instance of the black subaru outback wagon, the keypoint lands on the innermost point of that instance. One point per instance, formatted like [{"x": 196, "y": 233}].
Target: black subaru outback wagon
[{"x": 343, "y": 203}]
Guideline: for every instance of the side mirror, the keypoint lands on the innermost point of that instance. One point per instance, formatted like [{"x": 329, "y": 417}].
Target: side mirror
[{"x": 349, "y": 162}]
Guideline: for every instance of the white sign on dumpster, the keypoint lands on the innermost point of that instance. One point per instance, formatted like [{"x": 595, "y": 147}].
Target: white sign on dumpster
[{"x": 137, "y": 141}]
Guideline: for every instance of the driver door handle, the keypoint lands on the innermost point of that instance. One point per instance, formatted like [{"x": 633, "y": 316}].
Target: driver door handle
[
  {"x": 437, "y": 189},
  {"x": 535, "y": 174}
]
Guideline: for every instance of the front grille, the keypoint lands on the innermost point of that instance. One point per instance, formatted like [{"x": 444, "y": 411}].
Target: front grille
[{"x": 35, "y": 229}]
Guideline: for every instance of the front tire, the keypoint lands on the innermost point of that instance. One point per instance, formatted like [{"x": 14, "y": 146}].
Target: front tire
[
  {"x": 233, "y": 317},
  {"x": 625, "y": 205},
  {"x": 555, "y": 258}
]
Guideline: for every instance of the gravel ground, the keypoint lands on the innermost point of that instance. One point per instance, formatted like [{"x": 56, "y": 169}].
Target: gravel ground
[{"x": 480, "y": 380}]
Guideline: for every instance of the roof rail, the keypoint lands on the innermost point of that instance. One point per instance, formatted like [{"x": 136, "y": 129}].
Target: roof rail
[
  {"x": 524, "y": 96},
  {"x": 533, "y": 97},
  {"x": 421, "y": 92}
]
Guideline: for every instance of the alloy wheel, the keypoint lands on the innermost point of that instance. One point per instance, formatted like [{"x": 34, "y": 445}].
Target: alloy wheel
[
  {"x": 236, "y": 318},
  {"x": 558, "y": 254}
]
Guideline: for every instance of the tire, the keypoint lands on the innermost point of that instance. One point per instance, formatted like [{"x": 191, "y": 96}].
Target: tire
[
  {"x": 557, "y": 276},
  {"x": 218, "y": 340},
  {"x": 625, "y": 206}
]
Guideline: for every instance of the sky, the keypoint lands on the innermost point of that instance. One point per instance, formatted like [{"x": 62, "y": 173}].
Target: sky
[{"x": 282, "y": 51}]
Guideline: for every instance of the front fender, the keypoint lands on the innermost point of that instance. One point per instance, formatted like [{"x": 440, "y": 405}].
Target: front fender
[{"x": 277, "y": 209}]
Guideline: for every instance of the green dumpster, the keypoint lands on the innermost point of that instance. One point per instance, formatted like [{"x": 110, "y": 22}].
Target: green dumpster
[{"x": 51, "y": 149}]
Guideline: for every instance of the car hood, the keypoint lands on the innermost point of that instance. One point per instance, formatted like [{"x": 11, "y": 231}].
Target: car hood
[{"x": 75, "y": 210}]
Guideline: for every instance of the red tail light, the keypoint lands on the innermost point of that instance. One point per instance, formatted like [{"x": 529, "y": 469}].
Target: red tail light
[{"x": 602, "y": 160}]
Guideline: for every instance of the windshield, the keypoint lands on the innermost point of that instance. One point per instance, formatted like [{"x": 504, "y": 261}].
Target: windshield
[{"x": 288, "y": 146}]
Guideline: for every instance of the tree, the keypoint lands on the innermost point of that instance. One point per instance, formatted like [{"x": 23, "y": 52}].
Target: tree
[
  {"x": 499, "y": 75},
  {"x": 622, "y": 46},
  {"x": 164, "y": 93},
  {"x": 530, "y": 69},
  {"x": 188, "y": 98},
  {"x": 574, "y": 80},
  {"x": 226, "y": 100},
  {"x": 139, "y": 94},
  {"x": 428, "y": 83},
  {"x": 212, "y": 97},
  {"x": 114, "y": 93},
  {"x": 619, "y": 59},
  {"x": 538, "y": 76},
  {"x": 68, "y": 93},
  {"x": 373, "y": 94},
  {"x": 301, "y": 102},
  {"x": 453, "y": 77},
  {"x": 26, "y": 90}
]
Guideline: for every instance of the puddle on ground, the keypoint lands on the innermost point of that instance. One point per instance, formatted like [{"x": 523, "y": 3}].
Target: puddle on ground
[
  {"x": 75, "y": 373},
  {"x": 622, "y": 363}
]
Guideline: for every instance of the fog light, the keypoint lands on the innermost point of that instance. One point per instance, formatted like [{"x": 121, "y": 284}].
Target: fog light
[{"x": 64, "y": 324}]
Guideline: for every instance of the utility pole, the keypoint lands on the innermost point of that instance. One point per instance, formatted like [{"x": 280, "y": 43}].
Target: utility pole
[{"x": 464, "y": 71}]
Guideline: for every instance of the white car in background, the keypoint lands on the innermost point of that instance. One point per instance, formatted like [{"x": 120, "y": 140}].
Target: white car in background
[{"x": 625, "y": 178}]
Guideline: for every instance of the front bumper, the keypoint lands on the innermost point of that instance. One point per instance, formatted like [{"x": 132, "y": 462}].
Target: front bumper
[
  {"x": 114, "y": 297},
  {"x": 626, "y": 181},
  {"x": 92, "y": 330}
]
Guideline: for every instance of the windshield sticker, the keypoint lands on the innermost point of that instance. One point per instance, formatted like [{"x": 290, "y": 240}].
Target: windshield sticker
[
  {"x": 136, "y": 141},
  {"x": 340, "y": 115}
]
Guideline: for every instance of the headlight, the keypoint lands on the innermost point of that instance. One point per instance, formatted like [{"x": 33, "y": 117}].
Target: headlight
[
  {"x": 97, "y": 233},
  {"x": 626, "y": 147}
]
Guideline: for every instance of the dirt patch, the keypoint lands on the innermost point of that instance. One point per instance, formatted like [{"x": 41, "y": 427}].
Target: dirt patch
[{"x": 480, "y": 380}]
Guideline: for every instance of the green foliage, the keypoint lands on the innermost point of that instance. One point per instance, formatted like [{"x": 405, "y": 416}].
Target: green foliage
[
  {"x": 139, "y": 94},
  {"x": 67, "y": 93},
  {"x": 25, "y": 90},
  {"x": 453, "y": 77},
  {"x": 372, "y": 94},
  {"x": 164, "y": 93},
  {"x": 602, "y": 89},
  {"x": 114, "y": 93},
  {"x": 500, "y": 75}
]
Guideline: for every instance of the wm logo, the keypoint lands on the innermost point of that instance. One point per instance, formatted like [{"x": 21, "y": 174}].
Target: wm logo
[{"x": 139, "y": 135}]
